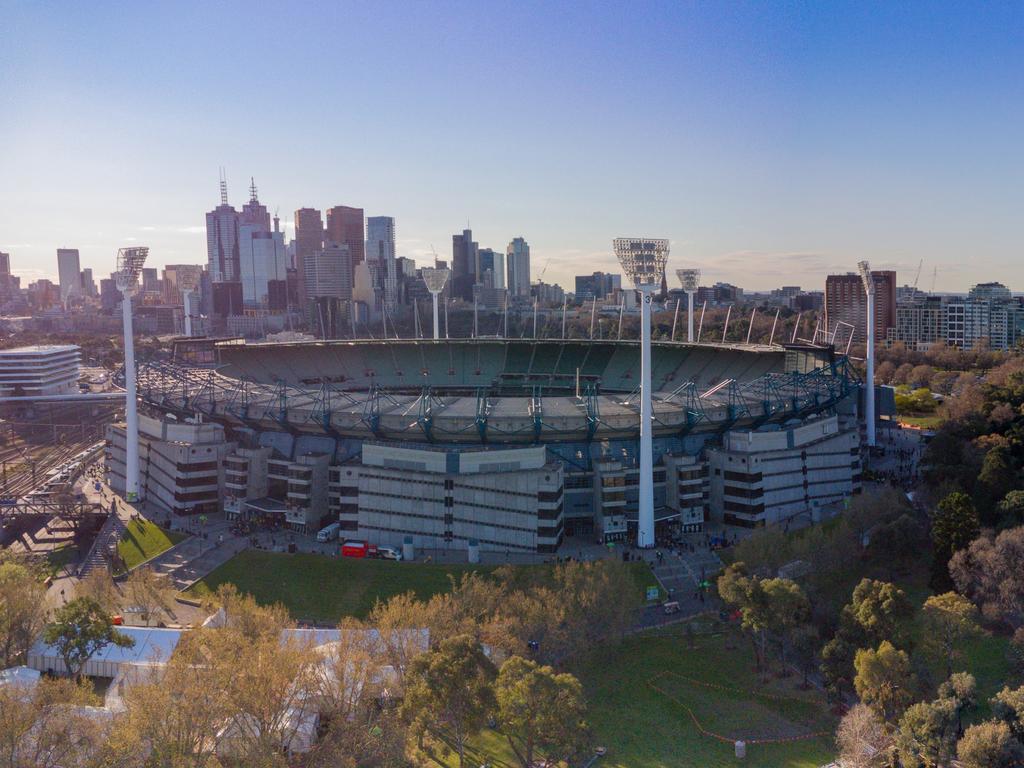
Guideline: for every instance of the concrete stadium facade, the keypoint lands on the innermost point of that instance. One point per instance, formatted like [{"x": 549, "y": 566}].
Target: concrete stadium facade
[{"x": 428, "y": 410}]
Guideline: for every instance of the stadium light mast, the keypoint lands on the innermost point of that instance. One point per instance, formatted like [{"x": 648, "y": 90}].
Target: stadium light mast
[
  {"x": 690, "y": 279},
  {"x": 435, "y": 278},
  {"x": 189, "y": 283},
  {"x": 643, "y": 260},
  {"x": 129, "y": 267},
  {"x": 869, "y": 398}
]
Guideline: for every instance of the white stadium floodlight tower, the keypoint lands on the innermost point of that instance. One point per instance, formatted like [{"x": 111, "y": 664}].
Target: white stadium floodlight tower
[
  {"x": 690, "y": 279},
  {"x": 129, "y": 267},
  {"x": 188, "y": 283},
  {"x": 869, "y": 395},
  {"x": 643, "y": 260},
  {"x": 435, "y": 278}
]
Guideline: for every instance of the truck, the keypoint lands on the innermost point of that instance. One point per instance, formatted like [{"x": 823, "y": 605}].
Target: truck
[
  {"x": 354, "y": 548},
  {"x": 329, "y": 532}
]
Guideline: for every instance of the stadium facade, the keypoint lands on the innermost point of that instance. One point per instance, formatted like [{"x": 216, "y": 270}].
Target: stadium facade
[{"x": 516, "y": 443}]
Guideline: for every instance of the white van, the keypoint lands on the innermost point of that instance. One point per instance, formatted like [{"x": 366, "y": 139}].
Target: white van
[
  {"x": 389, "y": 553},
  {"x": 329, "y": 533}
]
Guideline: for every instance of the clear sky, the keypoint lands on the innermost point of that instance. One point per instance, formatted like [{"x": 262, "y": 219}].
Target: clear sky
[{"x": 771, "y": 142}]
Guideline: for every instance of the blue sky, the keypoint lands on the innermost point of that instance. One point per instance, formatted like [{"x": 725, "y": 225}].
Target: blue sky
[{"x": 771, "y": 142}]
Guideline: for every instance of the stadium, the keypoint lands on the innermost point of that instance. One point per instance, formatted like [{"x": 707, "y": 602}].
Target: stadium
[{"x": 515, "y": 443}]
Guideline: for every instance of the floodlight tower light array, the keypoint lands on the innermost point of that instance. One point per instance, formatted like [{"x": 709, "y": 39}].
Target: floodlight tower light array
[
  {"x": 435, "y": 278},
  {"x": 643, "y": 260},
  {"x": 129, "y": 267},
  {"x": 690, "y": 280},
  {"x": 188, "y": 283},
  {"x": 869, "y": 395}
]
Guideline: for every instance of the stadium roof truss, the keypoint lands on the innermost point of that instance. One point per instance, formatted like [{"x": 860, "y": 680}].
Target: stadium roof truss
[{"x": 481, "y": 416}]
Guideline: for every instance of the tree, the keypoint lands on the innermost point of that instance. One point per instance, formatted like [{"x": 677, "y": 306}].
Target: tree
[
  {"x": 150, "y": 593},
  {"x": 954, "y": 526},
  {"x": 22, "y": 610},
  {"x": 881, "y": 609},
  {"x": 805, "y": 644},
  {"x": 448, "y": 690},
  {"x": 950, "y": 619},
  {"x": 884, "y": 680},
  {"x": 995, "y": 481},
  {"x": 989, "y": 572},
  {"x": 862, "y": 739},
  {"x": 962, "y": 689},
  {"x": 926, "y": 736},
  {"x": 1008, "y": 706},
  {"x": 1011, "y": 509},
  {"x": 41, "y": 728},
  {"x": 788, "y": 609},
  {"x": 837, "y": 657},
  {"x": 540, "y": 709},
  {"x": 79, "y": 630},
  {"x": 896, "y": 544},
  {"x": 989, "y": 745}
]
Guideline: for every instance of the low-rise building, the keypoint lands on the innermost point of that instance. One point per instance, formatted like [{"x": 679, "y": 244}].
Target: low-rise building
[{"x": 39, "y": 370}]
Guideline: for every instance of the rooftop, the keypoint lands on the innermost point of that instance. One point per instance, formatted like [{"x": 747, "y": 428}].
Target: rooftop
[{"x": 41, "y": 349}]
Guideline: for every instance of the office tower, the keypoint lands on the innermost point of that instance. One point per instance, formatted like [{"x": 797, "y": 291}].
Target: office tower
[
  {"x": 491, "y": 268},
  {"x": 150, "y": 280},
  {"x": 69, "y": 273},
  {"x": 222, "y": 240},
  {"x": 847, "y": 303},
  {"x": 328, "y": 273},
  {"x": 597, "y": 286},
  {"x": 227, "y": 298},
  {"x": 309, "y": 238},
  {"x": 5, "y": 263},
  {"x": 88, "y": 284},
  {"x": 10, "y": 286},
  {"x": 345, "y": 227},
  {"x": 254, "y": 213},
  {"x": 464, "y": 265},
  {"x": 177, "y": 275},
  {"x": 380, "y": 251},
  {"x": 110, "y": 297},
  {"x": 263, "y": 254},
  {"x": 517, "y": 259}
]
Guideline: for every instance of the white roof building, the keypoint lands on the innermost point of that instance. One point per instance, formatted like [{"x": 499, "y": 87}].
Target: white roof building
[{"x": 39, "y": 370}]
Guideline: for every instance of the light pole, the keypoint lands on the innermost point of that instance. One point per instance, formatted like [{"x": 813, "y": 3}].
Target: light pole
[
  {"x": 690, "y": 279},
  {"x": 129, "y": 267},
  {"x": 189, "y": 284},
  {"x": 643, "y": 261},
  {"x": 869, "y": 396},
  {"x": 435, "y": 278}
]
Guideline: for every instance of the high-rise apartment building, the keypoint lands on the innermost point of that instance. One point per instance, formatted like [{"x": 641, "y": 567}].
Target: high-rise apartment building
[
  {"x": 345, "y": 227},
  {"x": 309, "y": 238},
  {"x": 380, "y": 256},
  {"x": 517, "y": 260},
  {"x": 846, "y": 302},
  {"x": 465, "y": 253},
  {"x": 69, "y": 273}
]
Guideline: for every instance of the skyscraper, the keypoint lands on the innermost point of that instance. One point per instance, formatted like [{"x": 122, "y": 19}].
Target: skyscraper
[
  {"x": 309, "y": 238},
  {"x": 262, "y": 252},
  {"x": 69, "y": 272},
  {"x": 518, "y": 264},
  {"x": 380, "y": 256},
  {"x": 5, "y": 263},
  {"x": 222, "y": 240},
  {"x": 345, "y": 227},
  {"x": 464, "y": 265},
  {"x": 846, "y": 302},
  {"x": 490, "y": 268},
  {"x": 328, "y": 273}
]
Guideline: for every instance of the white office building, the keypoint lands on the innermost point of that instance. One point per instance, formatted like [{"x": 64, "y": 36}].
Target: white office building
[
  {"x": 39, "y": 370},
  {"x": 263, "y": 258}
]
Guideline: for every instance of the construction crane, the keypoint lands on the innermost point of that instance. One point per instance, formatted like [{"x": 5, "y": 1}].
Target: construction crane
[
  {"x": 433, "y": 252},
  {"x": 540, "y": 277},
  {"x": 917, "y": 276}
]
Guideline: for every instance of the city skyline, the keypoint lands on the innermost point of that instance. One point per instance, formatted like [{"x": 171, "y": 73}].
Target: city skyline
[{"x": 774, "y": 146}]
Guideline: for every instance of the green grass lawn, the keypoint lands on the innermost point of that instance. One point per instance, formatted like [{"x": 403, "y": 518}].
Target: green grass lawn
[
  {"x": 645, "y": 728},
  {"x": 327, "y": 589},
  {"x": 923, "y": 421},
  {"x": 143, "y": 540},
  {"x": 58, "y": 559}
]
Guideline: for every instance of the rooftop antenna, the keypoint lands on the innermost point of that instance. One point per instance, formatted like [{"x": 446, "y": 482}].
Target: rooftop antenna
[
  {"x": 223, "y": 187},
  {"x": 869, "y": 399},
  {"x": 253, "y": 197}
]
